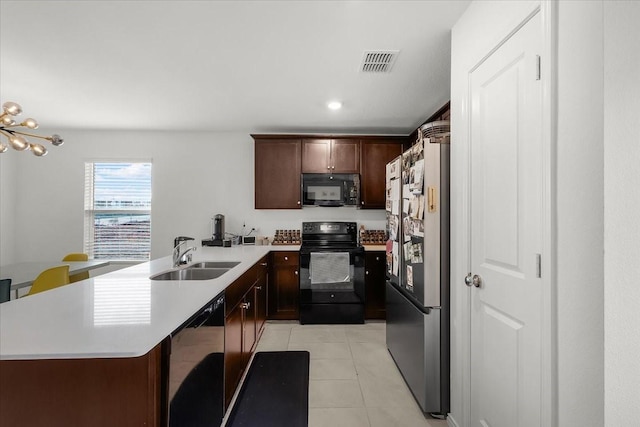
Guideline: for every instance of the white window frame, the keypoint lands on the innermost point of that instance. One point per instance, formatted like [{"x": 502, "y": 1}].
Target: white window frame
[{"x": 93, "y": 247}]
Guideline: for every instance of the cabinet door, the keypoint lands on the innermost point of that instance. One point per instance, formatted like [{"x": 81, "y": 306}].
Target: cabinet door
[
  {"x": 284, "y": 286},
  {"x": 374, "y": 282},
  {"x": 248, "y": 324},
  {"x": 316, "y": 155},
  {"x": 277, "y": 173},
  {"x": 233, "y": 356},
  {"x": 331, "y": 155},
  {"x": 261, "y": 297},
  {"x": 374, "y": 156},
  {"x": 345, "y": 156}
]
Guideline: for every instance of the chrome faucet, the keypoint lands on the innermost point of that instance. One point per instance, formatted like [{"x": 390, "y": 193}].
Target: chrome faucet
[{"x": 183, "y": 257}]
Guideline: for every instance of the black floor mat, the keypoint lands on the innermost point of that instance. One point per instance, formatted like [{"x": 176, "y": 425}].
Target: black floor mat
[{"x": 275, "y": 391}]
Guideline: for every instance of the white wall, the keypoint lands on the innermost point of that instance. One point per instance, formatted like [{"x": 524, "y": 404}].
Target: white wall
[
  {"x": 195, "y": 175},
  {"x": 8, "y": 185},
  {"x": 622, "y": 205},
  {"x": 580, "y": 215}
]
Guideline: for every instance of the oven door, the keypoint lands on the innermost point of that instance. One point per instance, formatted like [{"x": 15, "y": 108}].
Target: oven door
[{"x": 332, "y": 275}]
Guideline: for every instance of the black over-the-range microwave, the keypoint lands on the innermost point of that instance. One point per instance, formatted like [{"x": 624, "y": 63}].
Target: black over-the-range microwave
[{"x": 319, "y": 189}]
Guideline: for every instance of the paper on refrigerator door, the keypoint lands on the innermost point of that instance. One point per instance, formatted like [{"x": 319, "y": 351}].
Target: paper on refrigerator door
[
  {"x": 393, "y": 169},
  {"x": 416, "y": 177},
  {"x": 396, "y": 260},
  {"x": 394, "y": 196}
]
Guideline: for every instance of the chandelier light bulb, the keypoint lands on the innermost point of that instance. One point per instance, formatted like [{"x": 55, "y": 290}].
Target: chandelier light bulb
[
  {"x": 16, "y": 133},
  {"x": 56, "y": 140},
  {"x": 12, "y": 108},
  {"x": 18, "y": 143},
  {"x": 30, "y": 123},
  {"x": 38, "y": 150}
]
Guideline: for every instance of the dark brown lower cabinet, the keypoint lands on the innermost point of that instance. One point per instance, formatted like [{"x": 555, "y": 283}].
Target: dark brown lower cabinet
[
  {"x": 374, "y": 282},
  {"x": 82, "y": 392},
  {"x": 261, "y": 296},
  {"x": 246, "y": 313},
  {"x": 284, "y": 287},
  {"x": 233, "y": 354}
]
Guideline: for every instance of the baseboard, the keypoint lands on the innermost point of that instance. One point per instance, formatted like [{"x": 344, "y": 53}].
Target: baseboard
[{"x": 451, "y": 421}]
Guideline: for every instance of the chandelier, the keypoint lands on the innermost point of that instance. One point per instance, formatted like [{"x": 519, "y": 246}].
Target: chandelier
[{"x": 16, "y": 138}]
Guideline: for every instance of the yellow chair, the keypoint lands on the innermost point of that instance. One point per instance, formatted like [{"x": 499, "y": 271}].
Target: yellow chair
[
  {"x": 50, "y": 279},
  {"x": 77, "y": 257}
]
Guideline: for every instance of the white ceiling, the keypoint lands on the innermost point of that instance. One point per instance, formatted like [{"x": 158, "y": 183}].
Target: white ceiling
[{"x": 256, "y": 66}]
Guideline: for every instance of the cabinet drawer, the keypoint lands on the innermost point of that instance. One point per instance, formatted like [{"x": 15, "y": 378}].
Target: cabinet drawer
[
  {"x": 286, "y": 258},
  {"x": 236, "y": 291}
]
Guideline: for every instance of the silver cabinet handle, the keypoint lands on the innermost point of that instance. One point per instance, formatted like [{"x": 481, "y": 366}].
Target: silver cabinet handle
[
  {"x": 295, "y": 272},
  {"x": 286, "y": 258},
  {"x": 366, "y": 272},
  {"x": 298, "y": 201},
  {"x": 258, "y": 288},
  {"x": 245, "y": 305},
  {"x": 264, "y": 264}
]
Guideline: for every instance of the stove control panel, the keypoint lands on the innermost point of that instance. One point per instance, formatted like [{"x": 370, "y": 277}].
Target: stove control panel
[{"x": 327, "y": 227}]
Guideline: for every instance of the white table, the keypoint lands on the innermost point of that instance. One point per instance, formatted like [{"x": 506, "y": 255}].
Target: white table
[{"x": 22, "y": 274}]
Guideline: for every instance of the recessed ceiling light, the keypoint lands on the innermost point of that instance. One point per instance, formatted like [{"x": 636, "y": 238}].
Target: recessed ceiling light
[{"x": 334, "y": 105}]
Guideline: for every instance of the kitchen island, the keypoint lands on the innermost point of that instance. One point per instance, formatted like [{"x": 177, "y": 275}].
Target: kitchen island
[{"x": 91, "y": 352}]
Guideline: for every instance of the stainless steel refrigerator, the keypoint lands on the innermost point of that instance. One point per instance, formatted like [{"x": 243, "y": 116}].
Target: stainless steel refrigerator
[{"x": 417, "y": 290}]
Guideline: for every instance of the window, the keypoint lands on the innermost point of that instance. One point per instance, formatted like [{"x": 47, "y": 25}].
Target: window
[{"x": 117, "y": 210}]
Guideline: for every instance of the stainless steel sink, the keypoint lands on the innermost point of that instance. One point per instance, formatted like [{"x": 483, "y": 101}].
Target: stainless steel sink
[
  {"x": 191, "y": 274},
  {"x": 214, "y": 264}
]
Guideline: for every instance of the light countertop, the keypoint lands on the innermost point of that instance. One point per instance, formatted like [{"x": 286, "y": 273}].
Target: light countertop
[{"x": 119, "y": 314}]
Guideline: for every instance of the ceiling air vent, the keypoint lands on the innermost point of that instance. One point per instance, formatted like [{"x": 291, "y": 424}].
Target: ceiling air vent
[{"x": 378, "y": 61}]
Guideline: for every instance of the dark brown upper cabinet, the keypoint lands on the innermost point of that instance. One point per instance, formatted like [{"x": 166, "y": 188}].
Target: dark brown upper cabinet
[
  {"x": 323, "y": 155},
  {"x": 374, "y": 156},
  {"x": 277, "y": 173}
]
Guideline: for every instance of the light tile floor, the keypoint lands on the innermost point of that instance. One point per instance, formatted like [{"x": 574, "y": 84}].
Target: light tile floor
[{"x": 353, "y": 381}]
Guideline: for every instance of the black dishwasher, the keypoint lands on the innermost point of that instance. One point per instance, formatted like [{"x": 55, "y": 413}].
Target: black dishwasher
[{"x": 196, "y": 369}]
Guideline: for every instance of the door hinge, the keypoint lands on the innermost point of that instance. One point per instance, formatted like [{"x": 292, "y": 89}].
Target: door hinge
[
  {"x": 538, "y": 265},
  {"x": 538, "y": 68}
]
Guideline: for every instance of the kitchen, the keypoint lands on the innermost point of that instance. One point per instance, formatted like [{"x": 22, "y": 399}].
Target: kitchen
[{"x": 183, "y": 176}]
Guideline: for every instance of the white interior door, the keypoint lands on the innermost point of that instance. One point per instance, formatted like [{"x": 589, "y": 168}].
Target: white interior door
[{"x": 506, "y": 233}]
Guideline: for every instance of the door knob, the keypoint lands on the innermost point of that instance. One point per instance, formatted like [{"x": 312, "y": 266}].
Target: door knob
[
  {"x": 474, "y": 280},
  {"x": 468, "y": 280}
]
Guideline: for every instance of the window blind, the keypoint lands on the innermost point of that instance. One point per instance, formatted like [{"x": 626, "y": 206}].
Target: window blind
[{"x": 117, "y": 207}]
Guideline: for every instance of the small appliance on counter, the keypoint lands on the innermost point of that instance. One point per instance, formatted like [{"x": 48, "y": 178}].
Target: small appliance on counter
[{"x": 218, "y": 232}]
